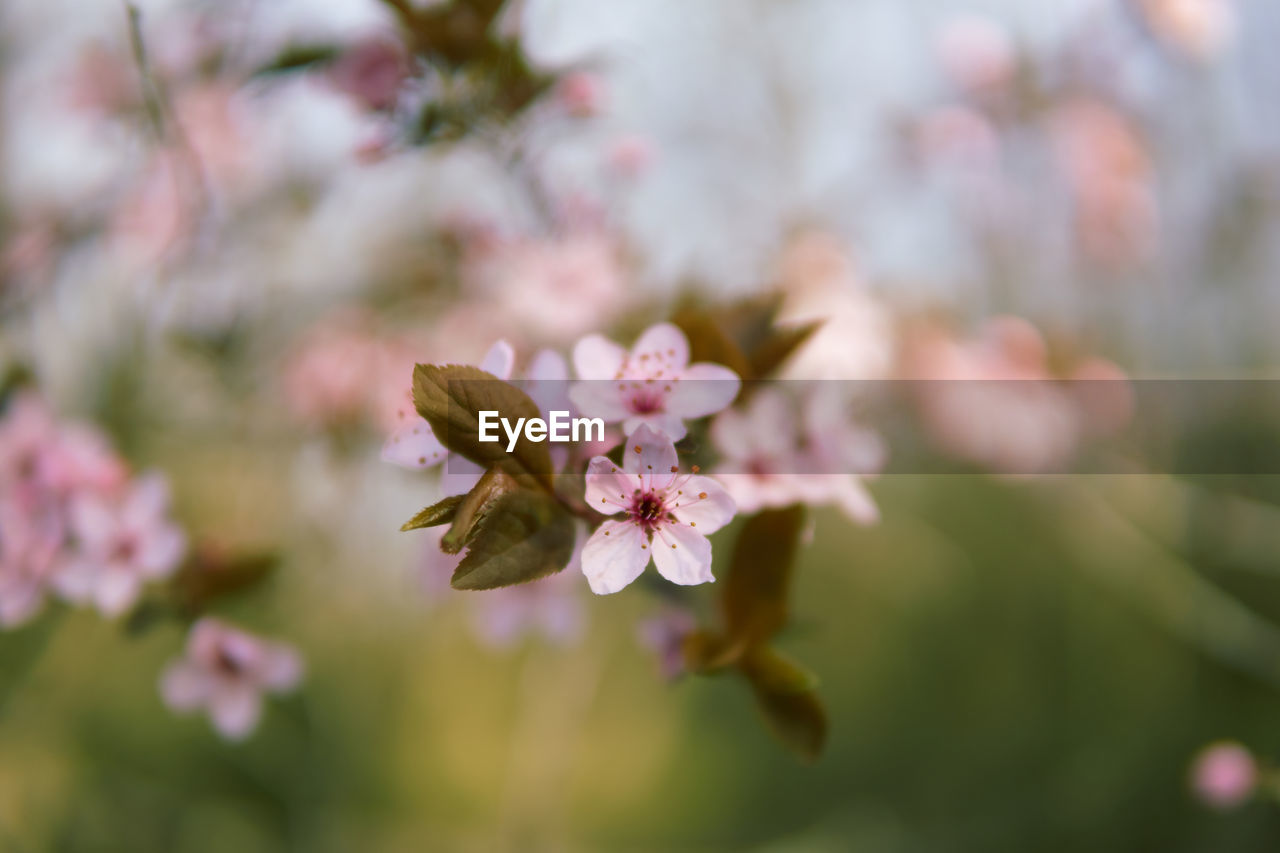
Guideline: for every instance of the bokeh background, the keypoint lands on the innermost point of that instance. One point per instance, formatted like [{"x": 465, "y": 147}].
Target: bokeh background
[{"x": 230, "y": 227}]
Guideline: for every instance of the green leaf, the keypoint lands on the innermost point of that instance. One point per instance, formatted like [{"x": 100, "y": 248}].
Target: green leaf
[
  {"x": 435, "y": 515},
  {"x": 785, "y": 692},
  {"x": 523, "y": 535},
  {"x": 474, "y": 506},
  {"x": 756, "y": 589},
  {"x": 778, "y": 346},
  {"x": 451, "y": 398},
  {"x": 298, "y": 57},
  {"x": 708, "y": 341}
]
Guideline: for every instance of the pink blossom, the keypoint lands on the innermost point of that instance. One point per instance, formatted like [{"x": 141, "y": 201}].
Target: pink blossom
[
  {"x": 413, "y": 445},
  {"x": 653, "y": 384},
  {"x": 664, "y": 516},
  {"x": 30, "y": 545},
  {"x": 555, "y": 288},
  {"x": 581, "y": 93},
  {"x": 372, "y": 71},
  {"x": 977, "y": 54},
  {"x": 549, "y": 607},
  {"x": 1028, "y": 426},
  {"x": 1200, "y": 29},
  {"x": 1223, "y": 775},
  {"x": 774, "y": 458},
  {"x": 226, "y": 671},
  {"x": 122, "y": 541},
  {"x": 42, "y": 459},
  {"x": 631, "y": 155},
  {"x": 1108, "y": 168},
  {"x": 855, "y": 335}
]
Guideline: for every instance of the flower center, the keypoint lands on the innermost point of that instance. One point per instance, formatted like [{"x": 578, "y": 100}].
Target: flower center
[
  {"x": 648, "y": 510},
  {"x": 646, "y": 402}
]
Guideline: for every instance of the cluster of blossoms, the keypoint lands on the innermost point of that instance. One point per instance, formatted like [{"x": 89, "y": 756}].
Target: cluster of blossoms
[
  {"x": 75, "y": 524},
  {"x": 649, "y": 395}
]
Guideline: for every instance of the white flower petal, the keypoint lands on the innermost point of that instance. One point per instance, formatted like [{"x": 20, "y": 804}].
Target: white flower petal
[
  {"x": 609, "y": 489},
  {"x": 661, "y": 422},
  {"x": 185, "y": 686},
  {"x": 703, "y": 389},
  {"x": 414, "y": 446},
  {"x": 661, "y": 347},
  {"x": 161, "y": 551},
  {"x": 682, "y": 555},
  {"x": 597, "y": 398},
  {"x": 597, "y": 357},
  {"x": 235, "y": 709},
  {"x": 148, "y": 500},
  {"x": 500, "y": 360},
  {"x": 652, "y": 455},
  {"x": 115, "y": 590},
  {"x": 614, "y": 556},
  {"x": 281, "y": 668},
  {"x": 704, "y": 505}
]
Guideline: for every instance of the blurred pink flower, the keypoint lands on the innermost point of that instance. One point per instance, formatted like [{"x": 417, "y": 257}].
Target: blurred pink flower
[
  {"x": 1109, "y": 171},
  {"x": 1200, "y": 29},
  {"x": 774, "y": 458},
  {"x": 372, "y": 71},
  {"x": 631, "y": 155},
  {"x": 664, "y": 635},
  {"x": 30, "y": 546},
  {"x": 665, "y": 516},
  {"x": 226, "y": 671},
  {"x": 549, "y": 607},
  {"x": 343, "y": 371},
  {"x": 581, "y": 93},
  {"x": 653, "y": 384},
  {"x": 555, "y": 288},
  {"x": 1224, "y": 775},
  {"x": 42, "y": 459},
  {"x": 1029, "y": 425},
  {"x": 103, "y": 81},
  {"x": 413, "y": 445},
  {"x": 122, "y": 541},
  {"x": 855, "y": 336},
  {"x": 977, "y": 54}
]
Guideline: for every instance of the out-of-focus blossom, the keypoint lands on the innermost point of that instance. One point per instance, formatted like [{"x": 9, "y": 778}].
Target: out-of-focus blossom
[
  {"x": 665, "y": 516},
  {"x": 42, "y": 459},
  {"x": 343, "y": 371},
  {"x": 631, "y": 155},
  {"x": 103, "y": 81},
  {"x": 547, "y": 607},
  {"x": 1109, "y": 172},
  {"x": 121, "y": 542},
  {"x": 994, "y": 400},
  {"x": 664, "y": 635},
  {"x": 1224, "y": 775},
  {"x": 958, "y": 137},
  {"x": 581, "y": 93},
  {"x": 225, "y": 671},
  {"x": 372, "y": 71},
  {"x": 1200, "y": 29},
  {"x": 774, "y": 456},
  {"x": 554, "y": 288},
  {"x": 30, "y": 545},
  {"x": 413, "y": 445},
  {"x": 653, "y": 384},
  {"x": 977, "y": 54},
  {"x": 819, "y": 284}
]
